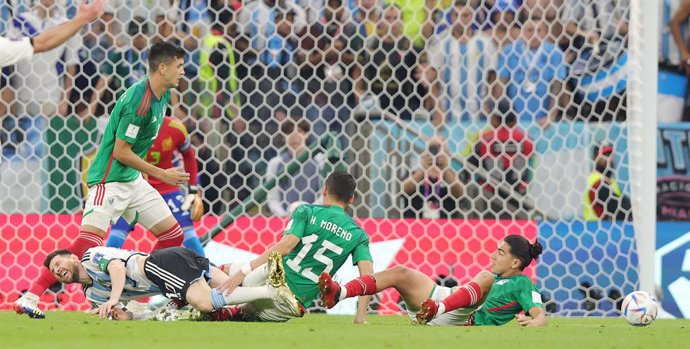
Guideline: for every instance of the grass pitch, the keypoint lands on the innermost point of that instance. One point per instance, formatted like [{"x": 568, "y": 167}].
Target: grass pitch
[{"x": 77, "y": 330}]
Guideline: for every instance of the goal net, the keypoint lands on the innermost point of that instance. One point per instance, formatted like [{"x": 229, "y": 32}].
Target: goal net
[{"x": 462, "y": 121}]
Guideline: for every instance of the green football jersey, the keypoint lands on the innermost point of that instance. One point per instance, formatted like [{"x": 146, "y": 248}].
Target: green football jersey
[
  {"x": 508, "y": 297},
  {"x": 328, "y": 236},
  {"x": 136, "y": 119}
]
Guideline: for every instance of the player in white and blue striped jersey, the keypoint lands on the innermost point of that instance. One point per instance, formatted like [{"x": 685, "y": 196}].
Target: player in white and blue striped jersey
[{"x": 110, "y": 275}]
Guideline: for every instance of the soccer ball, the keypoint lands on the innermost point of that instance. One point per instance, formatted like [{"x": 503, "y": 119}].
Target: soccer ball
[{"x": 639, "y": 308}]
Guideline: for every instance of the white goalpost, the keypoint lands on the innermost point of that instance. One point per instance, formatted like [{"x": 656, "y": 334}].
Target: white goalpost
[{"x": 644, "y": 28}]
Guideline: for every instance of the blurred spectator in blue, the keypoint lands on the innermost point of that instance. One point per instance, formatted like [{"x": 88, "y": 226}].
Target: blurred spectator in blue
[
  {"x": 384, "y": 76},
  {"x": 674, "y": 60},
  {"x": 465, "y": 62},
  {"x": 532, "y": 71},
  {"x": 256, "y": 19},
  {"x": 271, "y": 56},
  {"x": 305, "y": 185},
  {"x": 432, "y": 190},
  {"x": 43, "y": 84},
  {"x": 38, "y": 81},
  {"x": 329, "y": 48},
  {"x": 598, "y": 33}
]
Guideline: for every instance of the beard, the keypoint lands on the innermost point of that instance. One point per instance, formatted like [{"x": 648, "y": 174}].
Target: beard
[{"x": 75, "y": 274}]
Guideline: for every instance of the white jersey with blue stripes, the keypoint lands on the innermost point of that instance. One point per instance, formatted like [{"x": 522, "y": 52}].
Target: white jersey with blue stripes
[
  {"x": 96, "y": 260},
  {"x": 464, "y": 68}
]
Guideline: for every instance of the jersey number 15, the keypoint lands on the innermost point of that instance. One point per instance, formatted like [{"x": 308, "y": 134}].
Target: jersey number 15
[{"x": 308, "y": 244}]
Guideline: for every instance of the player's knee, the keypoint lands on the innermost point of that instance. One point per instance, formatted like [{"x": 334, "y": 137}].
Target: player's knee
[
  {"x": 401, "y": 272},
  {"x": 202, "y": 305}
]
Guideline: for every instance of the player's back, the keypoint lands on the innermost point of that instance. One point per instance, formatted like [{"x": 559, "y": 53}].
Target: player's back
[{"x": 328, "y": 235}]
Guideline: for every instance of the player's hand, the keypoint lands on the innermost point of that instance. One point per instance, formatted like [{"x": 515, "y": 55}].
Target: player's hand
[
  {"x": 90, "y": 12},
  {"x": 193, "y": 203},
  {"x": 173, "y": 176},
  {"x": 360, "y": 320},
  {"x": 523, "y": 320},
  {"x": 230, "y": 284},
  {"x": 105, "y": 309}
]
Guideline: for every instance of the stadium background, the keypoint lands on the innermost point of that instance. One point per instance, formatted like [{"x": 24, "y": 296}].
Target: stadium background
[{"x": 235, "y": 127}]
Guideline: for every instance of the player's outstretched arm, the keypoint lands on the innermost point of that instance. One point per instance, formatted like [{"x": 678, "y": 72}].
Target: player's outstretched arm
[
  {"x": 365, "y": 268},
  {"x": 124, "y": 154},
  {"x": 117, "y": 271},
  {"x": 536, "y": 317},
  {"x": 56, "y": 36}
]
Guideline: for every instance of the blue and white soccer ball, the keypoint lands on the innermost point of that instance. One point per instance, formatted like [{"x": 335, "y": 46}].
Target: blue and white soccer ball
[{"x": 639, "y": 308}]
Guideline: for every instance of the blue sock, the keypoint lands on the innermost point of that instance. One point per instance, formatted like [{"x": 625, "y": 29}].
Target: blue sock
[
  {"x": 191, "y": 241},
  {"x": 217, "y": 299},
  {"x": 116, "y": 238}
]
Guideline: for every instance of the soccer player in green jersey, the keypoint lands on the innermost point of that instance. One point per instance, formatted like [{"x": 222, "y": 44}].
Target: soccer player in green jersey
[
  {"x": 490, "y": 299},
  {"x": 317, "y": 239},
  {"x": 116, "y": 186}
]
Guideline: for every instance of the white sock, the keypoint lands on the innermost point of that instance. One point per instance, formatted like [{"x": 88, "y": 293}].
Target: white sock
[
  {"x": 234, "y": 268},
  {"x": 249, "y": 294},
  {"x": 441, "y": 309},
  {"x": 257, "y": 277},
  {"x": 342, "y": 293}
]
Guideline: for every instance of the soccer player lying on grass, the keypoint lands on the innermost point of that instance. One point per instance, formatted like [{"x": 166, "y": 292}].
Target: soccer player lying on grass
[
  {"x": 317, "y": 239},
  {"x": 111, "y": 275},
  {"x": 491, "y": 298}
]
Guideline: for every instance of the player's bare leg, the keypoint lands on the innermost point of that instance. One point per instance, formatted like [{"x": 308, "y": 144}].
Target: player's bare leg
[{"x": 413, "y": 286}]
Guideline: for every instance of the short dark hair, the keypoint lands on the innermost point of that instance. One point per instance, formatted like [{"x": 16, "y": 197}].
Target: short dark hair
[
  {"x": 51, "y": 255},
  {"x": 521, "y": 249},
  {"x": 163, "y": 52},
  {"x": 341, "y": 186}
]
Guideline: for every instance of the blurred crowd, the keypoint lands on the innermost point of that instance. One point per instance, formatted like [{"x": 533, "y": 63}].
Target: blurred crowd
[{"x": 264, "y": 78}]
